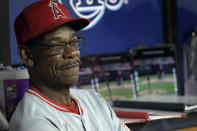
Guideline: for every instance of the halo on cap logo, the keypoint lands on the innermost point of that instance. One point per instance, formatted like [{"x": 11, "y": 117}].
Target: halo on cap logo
[
  {"x": 94, "y": 9},
  {"x": 57, "y": 12}
]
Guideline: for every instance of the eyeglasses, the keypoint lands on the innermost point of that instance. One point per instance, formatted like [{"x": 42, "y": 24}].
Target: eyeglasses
[{"x": 59, "y": 48}]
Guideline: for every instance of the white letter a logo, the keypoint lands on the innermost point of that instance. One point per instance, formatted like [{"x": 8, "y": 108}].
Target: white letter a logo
[{"x": 57, "y": 12}]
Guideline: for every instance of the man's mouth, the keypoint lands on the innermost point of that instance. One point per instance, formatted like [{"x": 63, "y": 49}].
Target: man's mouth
[{"x": 68, "y": 65}]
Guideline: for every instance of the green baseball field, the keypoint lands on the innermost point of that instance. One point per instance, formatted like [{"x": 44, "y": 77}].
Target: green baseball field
[{"x": 125, "y": 91}]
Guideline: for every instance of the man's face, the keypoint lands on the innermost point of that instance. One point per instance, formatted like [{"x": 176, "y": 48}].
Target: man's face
[{"x": 59, "y": 69}]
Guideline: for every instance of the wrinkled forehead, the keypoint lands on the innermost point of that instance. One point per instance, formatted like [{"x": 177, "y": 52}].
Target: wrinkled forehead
[{"x": 60, "y": 33}]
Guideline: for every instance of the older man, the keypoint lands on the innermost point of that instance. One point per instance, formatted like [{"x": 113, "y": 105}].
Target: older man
[{"x": 49, "y": 46}]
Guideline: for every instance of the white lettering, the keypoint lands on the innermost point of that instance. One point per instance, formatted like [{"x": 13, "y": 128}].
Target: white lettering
[
  {"x": 114, "y": 5},
  {"x": 126, "y": 2},
  {"x": 60, "y": 1},
  {"x": 89, "y": 2},
  {"x": 94, "y": 9}
]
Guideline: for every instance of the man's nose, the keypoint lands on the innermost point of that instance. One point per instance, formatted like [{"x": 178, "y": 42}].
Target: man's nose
[{"x": 70, "y": 53}]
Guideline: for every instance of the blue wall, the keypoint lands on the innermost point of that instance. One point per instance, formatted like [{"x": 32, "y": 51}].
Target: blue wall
[
  {"x": 16, "y": 6},
  {"x": 187, "y": 18},
  {"x": 138, "y": 22},
  {"x": 119, "y": 29}
]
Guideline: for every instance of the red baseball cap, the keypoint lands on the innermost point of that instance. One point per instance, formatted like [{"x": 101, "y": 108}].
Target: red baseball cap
[{"x": 42, "y": 17}]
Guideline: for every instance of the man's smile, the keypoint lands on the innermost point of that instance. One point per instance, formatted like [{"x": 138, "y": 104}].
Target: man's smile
[
  {"x": 71, "y": 66},
  {"x": 68, "y": 65}
]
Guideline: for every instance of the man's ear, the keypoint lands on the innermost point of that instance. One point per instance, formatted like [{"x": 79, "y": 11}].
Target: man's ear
[{"x": 26, "y": 55}]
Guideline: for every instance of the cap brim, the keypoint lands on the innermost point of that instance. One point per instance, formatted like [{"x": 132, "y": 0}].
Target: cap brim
[{"x": 77, "y": 23}]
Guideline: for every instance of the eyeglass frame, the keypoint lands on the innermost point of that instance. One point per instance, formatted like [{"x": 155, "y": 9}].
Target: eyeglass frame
[{"x": 61, "y": 44}]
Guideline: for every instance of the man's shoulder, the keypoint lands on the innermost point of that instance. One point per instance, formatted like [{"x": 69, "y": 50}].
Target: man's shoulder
[
  {"x": 33, "y": 124},
  {"x": 28, "y": 102},
  {"x": 28, "y": 108},
  {"x": 87, "y": 95},
  {"x": 75, "y": 90},
  {"x": 83, "y": 92}
]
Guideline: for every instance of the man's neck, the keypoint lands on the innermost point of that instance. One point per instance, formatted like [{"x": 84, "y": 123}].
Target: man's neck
[{"x": 60, "y": 95}]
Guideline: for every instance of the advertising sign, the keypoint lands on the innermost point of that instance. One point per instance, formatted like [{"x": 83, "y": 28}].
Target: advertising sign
[{"x": 116, "y": 25}]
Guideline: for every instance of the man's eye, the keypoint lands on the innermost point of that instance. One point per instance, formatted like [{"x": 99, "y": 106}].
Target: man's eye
[
  {"x": 74, "y": 43},
  {"x": 57, "y": 47}
]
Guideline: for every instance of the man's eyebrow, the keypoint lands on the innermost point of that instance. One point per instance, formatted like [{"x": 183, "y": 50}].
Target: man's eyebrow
[
  {"x": 59, "y": 38},
  {"x": 54, "y": 39}
]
